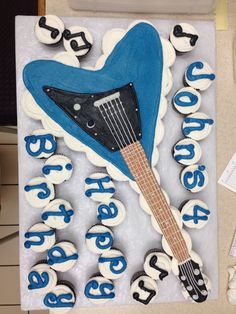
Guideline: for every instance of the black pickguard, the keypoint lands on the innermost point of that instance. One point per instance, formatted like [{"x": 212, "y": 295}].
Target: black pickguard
[
  {"x": 89, "y": 117},
  {"x": 191, "y": 277},
  {"x": 151, "y": 292},
  {"x": 153, "y": 264}
]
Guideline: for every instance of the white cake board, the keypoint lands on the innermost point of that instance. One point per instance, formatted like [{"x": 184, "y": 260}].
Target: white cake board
[{"x": 136, "y": 235}]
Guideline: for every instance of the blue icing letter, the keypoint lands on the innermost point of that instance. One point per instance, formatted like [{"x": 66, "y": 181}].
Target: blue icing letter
[
  {"x": 193, "y": 77},
  {"x": 42, "y": 186},
  {"x": 190, "y": 148},
  {"x": 41, "y": 237},
  {"x": 193, "y": 99},
  {"x": 62, "y": 212},
  {"x": 100, "y": 239},
  {"x": 197, "y": 177},
  {"x": 94, "y": 285},
  {"x": 48, "y": 168},
  {"x": 195, "y": 217},
  {"x": 100, "y": 188},
  {"x": 52, "y": 259},
  {"x": 201, "y": 124},
  {"x": 37, "y": 281},
  {"x": 107, "y": 211},
  {"x": 42, "y": 140},
  {"x": 114, "y": 263},
  {"x": 54, "y": 301}
]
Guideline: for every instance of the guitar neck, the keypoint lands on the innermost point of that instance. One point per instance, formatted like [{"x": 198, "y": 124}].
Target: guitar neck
[{"x": 135, "y": 158}]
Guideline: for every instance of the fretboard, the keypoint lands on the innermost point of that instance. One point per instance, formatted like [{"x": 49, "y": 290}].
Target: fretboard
[{"x": 135, "y": 158}]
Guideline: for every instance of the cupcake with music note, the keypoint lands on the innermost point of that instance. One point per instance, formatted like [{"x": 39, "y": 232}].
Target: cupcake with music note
[
  {"x": 77, "y": 40},
  {"x": 49, "y": 29},
  {"x": 183, "y": 37}
]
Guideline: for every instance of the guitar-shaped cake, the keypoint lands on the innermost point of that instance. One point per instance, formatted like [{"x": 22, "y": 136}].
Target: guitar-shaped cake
[{"x": 114, "y": 112}]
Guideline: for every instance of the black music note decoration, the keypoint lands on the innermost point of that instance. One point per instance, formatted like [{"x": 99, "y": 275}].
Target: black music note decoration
[
  {"x": 153, "y": 264},
  {"x": 151, "y": 292},
  {"x": 178, "y": 32},
  {"x": 74, "y": 42},
  {"x": 54, "y": 31}
]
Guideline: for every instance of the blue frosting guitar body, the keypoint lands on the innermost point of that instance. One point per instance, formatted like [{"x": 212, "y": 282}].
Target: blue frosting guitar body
[{"x": 137, "y": 58}]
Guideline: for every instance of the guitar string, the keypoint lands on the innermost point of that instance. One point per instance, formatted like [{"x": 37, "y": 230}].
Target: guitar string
[
  {"x": 116, "y": 125},
  {"x": 106, "y": 121},
  {"x": 181, "y": 246},
  {"x": 112, "y": 114},
  {"x": 119, "y": 102},
  {"x": 190, "y": 267},
  {"x": 129, "y": 140},
  {"x": 185, "y": 272},
  {"x": 127, "y": 119}
]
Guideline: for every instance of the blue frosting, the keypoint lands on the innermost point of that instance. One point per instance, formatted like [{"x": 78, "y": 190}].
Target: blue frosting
[
  {"x": 62, "y": 212},
  {"x": 42, "y": 139},
  {"x": 193, "y": 77},
  {"x": 100, "y": 188},
  {"x": 189, "y": 147},
  {"x": 69, "y": 166},
  {"x": 60, "y": 301},
  {"x": 201, "y": 124},
  {"x": 193, "y": 99},
  {"x": 114, "y": 263},
  {"x": 41, "y": 237},
  {"x": 107, "y": 211},
  {"x": 37, "y": 281},
  {"x": 196, "y": 217},
  {"x": 94, "y": 285},
  {"x": 48, "y": 168},
  {"x": 62, "y": 258},
  {"x": 45, "y": 193},
  {"x": 137, "y": 58},
  {"x": 194, "y": 178},
  {"x": 100, "y": 239}
]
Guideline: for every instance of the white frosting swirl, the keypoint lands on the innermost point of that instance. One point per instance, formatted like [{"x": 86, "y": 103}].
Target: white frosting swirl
[
  {"x": 193, "y": 122},
  {"x": 52, "y": 172},
  {"x": 187, "y": 100},
  {"x": 194, "y": 220},
  {"x": 194, "y": 178},
  {"x": 78, "y": 39},
  {"x": 199, "y": 82},
  {"x": 183, "y": 43},
  {"x": 99, "y": 239},
  {"x": 44, "y": 35},
  {"x": 67, "y": 58},
  {"x": 149, "y": 284},
  {"x": 97, "y": 292},
  {"x": 112, "y": 264},
  {"x": 47, "y": 240},
  {"x": 48, "y": 149},
  {"x": 184, "y": 149},
  {"x": 39, "y": 191},
  {"x": 59, "y": 290},
  {"x": 106, "y": 211},
  {"x": 41, "y": 269},
  {"x": 58, "y": 221},
  {"x": 111, "y": 38},
  {"x": 162, "y": 261},
  {"x": 231, "y": 293},
  {"x": 99, "y": 193},
  {"x": 69, "y": 249}
]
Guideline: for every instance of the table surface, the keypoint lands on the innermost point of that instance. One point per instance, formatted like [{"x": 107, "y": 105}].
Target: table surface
[{"x": 226, "y": 144}]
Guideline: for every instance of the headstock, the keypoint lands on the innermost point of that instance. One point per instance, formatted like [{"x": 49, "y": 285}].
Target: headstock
[{"x": 192, "y": 279}]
